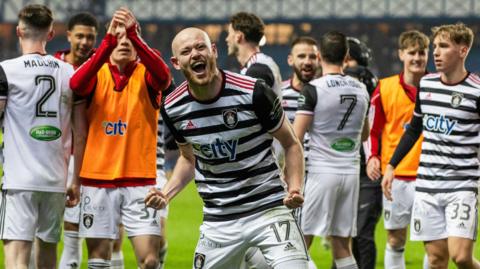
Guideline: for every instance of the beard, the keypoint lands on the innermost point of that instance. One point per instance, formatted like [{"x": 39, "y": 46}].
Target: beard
[{"x": 301, "y": 77}]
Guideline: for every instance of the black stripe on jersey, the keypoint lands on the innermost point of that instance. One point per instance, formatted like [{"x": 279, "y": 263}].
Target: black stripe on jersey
[
  {"x": 464, "y": 133},
  {"x": 160, "y": 155},
  {"x": 288, "y": 109},
  {"x": 289, "y": 97},
  {"x": 213, "y": 218},
  {"x": 229, "y": 174},
  {"x": 251, "y": 136},
  {"x": 212, "y": 112},
  {"x": 445, "y": 178},
  {"x": 240, "y": 156},
  {"x": 449, "y": 92},
  {"x": 449, "y": 143},
  {"x": 431, "y": 78},
  {"x": 450, "y": 155},
  {"x": 467, "y": 84},
  {"x": 218, "y": 128},
  {"x": 459, "y": 120},
  {"x": 434, "y": 190},
  {"x": 227, "y": 194},
  {"x": 159, "y": 166},
  {"x": 248, "y": 199},
  {"x": 3, "y": 82},
  {"x": 225, "y": 92},
  {"x": 448, "y": 166},
  {"x": 237, "y": 175},
  {"x": 447, "y": 105}
]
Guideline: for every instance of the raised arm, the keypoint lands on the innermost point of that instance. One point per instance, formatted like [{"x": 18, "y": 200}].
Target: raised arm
[
  {"x": 158, "y": 74},
  {"x": 84, "y": 79}
]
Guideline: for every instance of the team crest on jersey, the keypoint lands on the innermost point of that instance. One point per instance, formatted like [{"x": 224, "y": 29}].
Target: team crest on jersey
[
  {"x": 230, "y": 118},
  {"x": 199, "y": 260},
  {"x": 416, "y": 225},
  {"x": 456, "y": 99},
  {"x": 87, "y": 220}
]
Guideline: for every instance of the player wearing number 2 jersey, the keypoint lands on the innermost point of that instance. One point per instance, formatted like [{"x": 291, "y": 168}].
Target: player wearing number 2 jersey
[
  {"x": 333, "y": 108},
  {"x": 37, "y": 102}
]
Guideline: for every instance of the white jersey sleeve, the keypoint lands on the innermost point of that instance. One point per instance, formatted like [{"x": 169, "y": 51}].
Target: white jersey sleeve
[{"x": 37, "y": 124}]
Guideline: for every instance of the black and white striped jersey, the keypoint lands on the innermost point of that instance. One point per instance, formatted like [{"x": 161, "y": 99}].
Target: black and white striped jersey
[
  {"x": 451, "y": 124},
  {"x": 260, "y": 58},
  {"x": 290, "y": 104},
  {"x": 236, "y": 173},
  {"x": 161, "y": 178}
]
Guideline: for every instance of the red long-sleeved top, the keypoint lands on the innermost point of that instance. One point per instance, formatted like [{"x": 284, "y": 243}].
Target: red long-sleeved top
[{"x": 158, "y": 76}]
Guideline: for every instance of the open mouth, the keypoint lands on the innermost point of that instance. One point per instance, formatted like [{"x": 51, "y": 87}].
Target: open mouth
[{"x": 199, "y": 67}]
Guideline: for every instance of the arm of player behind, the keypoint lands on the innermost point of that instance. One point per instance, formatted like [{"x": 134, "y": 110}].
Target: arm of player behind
[
  {"x": 183, "y": 173},
  {"x": 80, "y": 131},
  {"x": 365, "y": 129}
]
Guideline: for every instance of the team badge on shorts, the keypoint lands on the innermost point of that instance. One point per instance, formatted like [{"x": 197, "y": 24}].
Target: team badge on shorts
[
  {"x": 87, "y": 220},
  {"x": 387, "y": 214},
  {"x": 416, "y": 225},
  {"x": 199, "y": 260},
  {"x": 456, "y": 99},
  {"x": 230, "y": 118}
]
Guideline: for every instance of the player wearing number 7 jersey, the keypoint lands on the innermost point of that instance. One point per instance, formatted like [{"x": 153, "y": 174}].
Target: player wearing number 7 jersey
[
  {"x": 37, "y": 102},
  {"x": 333, "y": 108}
]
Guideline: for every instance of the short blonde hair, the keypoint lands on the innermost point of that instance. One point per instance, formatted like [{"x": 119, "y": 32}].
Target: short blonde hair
[
  {"x": 413, "y": 38},
  {"x": 458, "y": 33}
]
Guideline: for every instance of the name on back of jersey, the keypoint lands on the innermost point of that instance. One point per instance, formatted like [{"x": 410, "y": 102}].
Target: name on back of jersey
[
  {"x": 334, "y": 83},
  {"x": 29, "y": 63}
]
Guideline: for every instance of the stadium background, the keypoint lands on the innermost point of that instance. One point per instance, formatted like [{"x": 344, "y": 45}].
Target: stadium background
[{"x": 376, "y": 22}]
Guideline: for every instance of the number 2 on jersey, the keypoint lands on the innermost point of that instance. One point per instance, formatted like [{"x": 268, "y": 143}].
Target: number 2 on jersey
[
  {"x": 353, "y": 101},
  {"x": 40, "y": 112}
]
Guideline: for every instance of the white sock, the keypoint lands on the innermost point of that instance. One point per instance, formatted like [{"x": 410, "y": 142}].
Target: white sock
[
  {"x": 346, "y": 263},
  {"x": 425, "y": 261},
  {"x": 98, "y": 264},
  {"x": 311, "y": 264},
  {"x": 162, "y": 254},
  {"x": 394, "y": 258},
  {"x": 117, "y": 260},
  {"x": 72, "y": 251},
  {"x": 255, "y": 259}
]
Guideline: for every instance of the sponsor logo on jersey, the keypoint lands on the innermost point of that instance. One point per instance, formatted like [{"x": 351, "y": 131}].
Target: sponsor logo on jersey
[
  {"x": 219, "y": 149},
  {"x": 45, "y": 133},
  {"x": 440, "y": 124},
  {"x": 230, "y": 118},
  {"x": 343, "y": 144},
  {"x": 456, "y": 99},
  {"x": 115, "y": 128},
  {"x": 199, "y": 260},
  {"x": 87, "y": 220}
]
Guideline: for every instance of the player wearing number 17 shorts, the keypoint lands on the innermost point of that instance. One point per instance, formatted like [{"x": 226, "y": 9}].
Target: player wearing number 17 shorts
[{"x": 333, "y": 108}]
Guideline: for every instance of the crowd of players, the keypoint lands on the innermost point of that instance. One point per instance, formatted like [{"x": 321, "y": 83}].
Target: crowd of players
[{"x": 239, "y": 138}]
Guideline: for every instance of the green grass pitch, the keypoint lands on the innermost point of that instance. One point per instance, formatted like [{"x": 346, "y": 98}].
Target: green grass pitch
[{"x": 184, "y": 220}]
